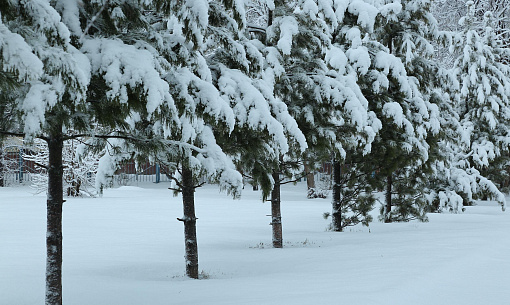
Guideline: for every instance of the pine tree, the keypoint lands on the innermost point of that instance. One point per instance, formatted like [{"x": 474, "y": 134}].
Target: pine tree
[
  {"x": 217, "y": 93},
  {"x": 483, "y": 99},
  {"x": 398, "y": 89},
  {"x": 37, "y": 49},
  {"x": 319, "y": 84},
  {"x": 75, "y": 74}
]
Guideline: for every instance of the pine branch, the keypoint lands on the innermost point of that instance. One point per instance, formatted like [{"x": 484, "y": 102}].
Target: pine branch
[
  {"x": 293, "y": 181},
  {"x": 14, "y": 134},
  {"x": 91, "y": 22},
  {"x": 199, "y": 185},
  {"x": 41, "y": 165},
  {"x": 255, "y": 28},
  {"x": 177, "y": 182}
]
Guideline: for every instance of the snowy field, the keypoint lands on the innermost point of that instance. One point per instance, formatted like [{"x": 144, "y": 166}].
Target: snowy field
[{"x": 127, "y": 248}]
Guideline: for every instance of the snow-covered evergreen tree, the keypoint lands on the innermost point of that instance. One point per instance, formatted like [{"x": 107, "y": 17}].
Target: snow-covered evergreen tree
[
  {"x": 320, "y": 81},
  {"x": 483, "y": 99},
  {"x": 217, "y": 91},
  {"x": 36, "y": 47},
  {"x": 398, "y": 89},
  {"x": 80, "y": 65}
]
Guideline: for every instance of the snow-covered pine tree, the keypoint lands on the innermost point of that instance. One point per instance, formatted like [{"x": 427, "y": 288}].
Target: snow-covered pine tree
[
  {"x": 236, "y": 70},
  {"x": 37, "y": 48},
  {"x": 212, "y": 88},
  {"x": 318, "y": 84},
  {"x": 244, "y": 72},
  {"x": 397, "y": 91},
  {"x": 264, "y": 129},
  {"x": 483, "y": 99},
  {"x": 74, "y": 77},
  {"x": 352, "y": 190},
  {"x": 452, "y": 182}
]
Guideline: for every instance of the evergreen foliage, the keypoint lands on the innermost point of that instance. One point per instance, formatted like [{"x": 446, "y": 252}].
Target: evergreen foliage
[
  {"x": 483, "y": 100},
  {"x": 401, "y": 99}
]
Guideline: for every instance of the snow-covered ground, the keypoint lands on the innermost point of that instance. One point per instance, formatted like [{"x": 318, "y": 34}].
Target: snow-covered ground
[{"x": 127, "y": 248}]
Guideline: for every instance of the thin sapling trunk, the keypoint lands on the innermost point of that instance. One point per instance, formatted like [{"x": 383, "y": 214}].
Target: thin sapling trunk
[
  {"x": 337, "y": 204},
  {"x": 310, "y": 178},
  {"x": 276, "y": 216},
  {"x": 387, "y": 208}
]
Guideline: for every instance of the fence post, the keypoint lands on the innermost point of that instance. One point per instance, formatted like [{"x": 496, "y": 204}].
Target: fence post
[{"x": 158, "y": 174}]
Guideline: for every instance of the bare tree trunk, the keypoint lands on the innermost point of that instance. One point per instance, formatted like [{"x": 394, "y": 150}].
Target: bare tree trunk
[
  {"x": 2, "y": 167},
  {"x": 310, "y": 178},
  {"x": 387, "y": 208},
  {"x": 190, "y": 222},
  {"x": 54, "y": 219},
  {"x": 337, "y": 205},
  {"x": 276, "y": 216}
]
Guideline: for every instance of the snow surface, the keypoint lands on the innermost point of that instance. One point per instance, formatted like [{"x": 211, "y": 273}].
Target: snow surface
[{"x": 127, "y": 248}]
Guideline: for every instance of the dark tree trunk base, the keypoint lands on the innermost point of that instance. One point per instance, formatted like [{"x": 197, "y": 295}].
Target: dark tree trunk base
[
  {"x": 336, "y": 215},
  {"x": 190, "y": 223},
  {"x": 276, "y": 216},
  {"x": 387, "y": 208}
]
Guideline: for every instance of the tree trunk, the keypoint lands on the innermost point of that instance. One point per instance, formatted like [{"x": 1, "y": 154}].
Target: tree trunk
[
  {"x": 387, "y": 208},
  {"x": 337, "y": 205},
  {"x": 276, "y": 216},
  {"x": 54, "y": 219},
  {"x": 2, "y": 167},
  {"x": 310, "y": 178},
  {"x": 190, "y": 223}
]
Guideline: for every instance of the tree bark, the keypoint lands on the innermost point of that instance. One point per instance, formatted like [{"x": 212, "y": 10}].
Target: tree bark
[
  {"x": 2, "y": 167},
  {"x": 54, "y": 219},
  {"x": 276, "y": 216},
  {"x": 337, "y": 205},
  {"x": 310, "y": 178},
  {"x": 387, "y": 208},
  {"x": 190, "y": 223}
]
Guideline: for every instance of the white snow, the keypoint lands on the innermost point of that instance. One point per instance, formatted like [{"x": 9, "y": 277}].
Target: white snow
[
  {"x": 127, "y": 248},
  {"x": 288, "y": 28},
  {"x": 124, "y": 66},
  {"x": 17, "y": 55}
]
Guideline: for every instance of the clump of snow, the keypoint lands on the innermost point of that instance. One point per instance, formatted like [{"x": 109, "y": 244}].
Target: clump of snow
[
  {"x": 124, "y": 66},
  {"x": 17, "y": 55},
  {"x": 288, "y": 28},
  {"x": 366, "y": 13}
]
